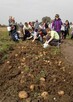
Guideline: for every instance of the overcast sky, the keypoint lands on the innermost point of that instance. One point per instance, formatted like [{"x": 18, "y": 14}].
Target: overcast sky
[{"x": 30, "y": 10}]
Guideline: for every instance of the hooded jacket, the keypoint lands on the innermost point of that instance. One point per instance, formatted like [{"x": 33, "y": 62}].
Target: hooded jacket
[{"x": 56, "y": 25}]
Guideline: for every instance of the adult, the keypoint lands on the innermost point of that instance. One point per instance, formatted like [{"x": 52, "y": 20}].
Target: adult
[{"x": 56, "y": 25}]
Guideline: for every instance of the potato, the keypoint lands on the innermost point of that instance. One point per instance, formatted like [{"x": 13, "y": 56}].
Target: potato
[
  {"x": 36, "y": 58},
  {"x": 60, "y": 62},
  {"x": 44, "y": 95},
  {"x": 42, "y": 79},
  {"x": 40, "y": 55},
  {"x": 44, "y": 53},
  {"x": 22, "y": 64},
  {"x": 23, "y": 95},
  {"x": 10, "y": 67},
  {"x": 23, "y": 76},
  {"x": 63, "y": 69},
  {"x": 28, "y": 100},
  {"x": 22, "y": 47},
  {"x": 60, "y": 92},
  {"x": 22, "y": 72},
  {"x": 22, "y": 81},
  {"x": 54, "y": 80},
  {"x": 16, "y": 55},
  {"x": 23, "y": 58},
  {"x": 8, "y": 62},
  {"x": 30, "y": 75},
  {"x": 32, "y": 87},
  {"x": 19, "y": 67}
]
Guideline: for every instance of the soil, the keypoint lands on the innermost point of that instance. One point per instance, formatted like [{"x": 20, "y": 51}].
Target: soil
[
  {"x": 29, "y": 62},
  {"x": 67, "y": 50}
]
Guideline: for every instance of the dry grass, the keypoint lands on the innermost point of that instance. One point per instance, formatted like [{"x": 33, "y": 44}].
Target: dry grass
[{"x": 3, "y": 29}]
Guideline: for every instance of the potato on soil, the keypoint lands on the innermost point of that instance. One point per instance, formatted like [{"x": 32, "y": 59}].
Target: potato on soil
[
  {"x": 23, "y": 95},
  {"x": 61, "y": 93},
  {"x": 44, "y": 95},
  {"x": 60, "y": 62},
  {"x": 22, "y": 81},
  {"x": 42, "y": 79},
  {"x": 8, "y": 62},
  {"x": 31, "y": 75},
  {"x": 16, "y": 55},
  {"x": 32, "y": 87}
]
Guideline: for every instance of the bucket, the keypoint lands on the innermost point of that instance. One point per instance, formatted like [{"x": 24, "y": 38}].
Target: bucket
[
  {"x": 45, "y": 45},
  {"x": 9, "y": 28}
]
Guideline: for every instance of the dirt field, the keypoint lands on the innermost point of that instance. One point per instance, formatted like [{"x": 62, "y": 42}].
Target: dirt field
[{"x": 49, "y": 70}]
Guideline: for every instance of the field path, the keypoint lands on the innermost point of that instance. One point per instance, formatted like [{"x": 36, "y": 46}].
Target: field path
[{"x": 67, "y": 51}]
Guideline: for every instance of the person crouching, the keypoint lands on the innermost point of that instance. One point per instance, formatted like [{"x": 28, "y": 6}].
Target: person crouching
[{"x": 52, "y": 38}]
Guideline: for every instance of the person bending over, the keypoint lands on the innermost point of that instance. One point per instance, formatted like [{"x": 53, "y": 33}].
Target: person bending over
[{"x": 52, "y": 38}]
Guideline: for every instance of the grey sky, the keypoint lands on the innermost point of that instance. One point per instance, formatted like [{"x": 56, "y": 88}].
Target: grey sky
[{"x": 30, "y": 10}]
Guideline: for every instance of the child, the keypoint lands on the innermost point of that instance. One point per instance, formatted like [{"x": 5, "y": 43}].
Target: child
[
  {"x": 38, "y": 35},
  {"x": 14, "y": 34},
  {"x": 52, "y": 38},
  {"x": 62, "y": 32},
  {"x": 26, "y": 31},
  {"x": 66, "y": 28},
  {"x": 35, "y": 35}
]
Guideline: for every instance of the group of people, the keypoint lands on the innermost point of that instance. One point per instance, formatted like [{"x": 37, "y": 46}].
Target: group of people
[{"x": 53, "y": 33}]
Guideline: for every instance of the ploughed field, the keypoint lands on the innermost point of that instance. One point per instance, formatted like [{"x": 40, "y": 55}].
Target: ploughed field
[{"x": 33, "y": 74}]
